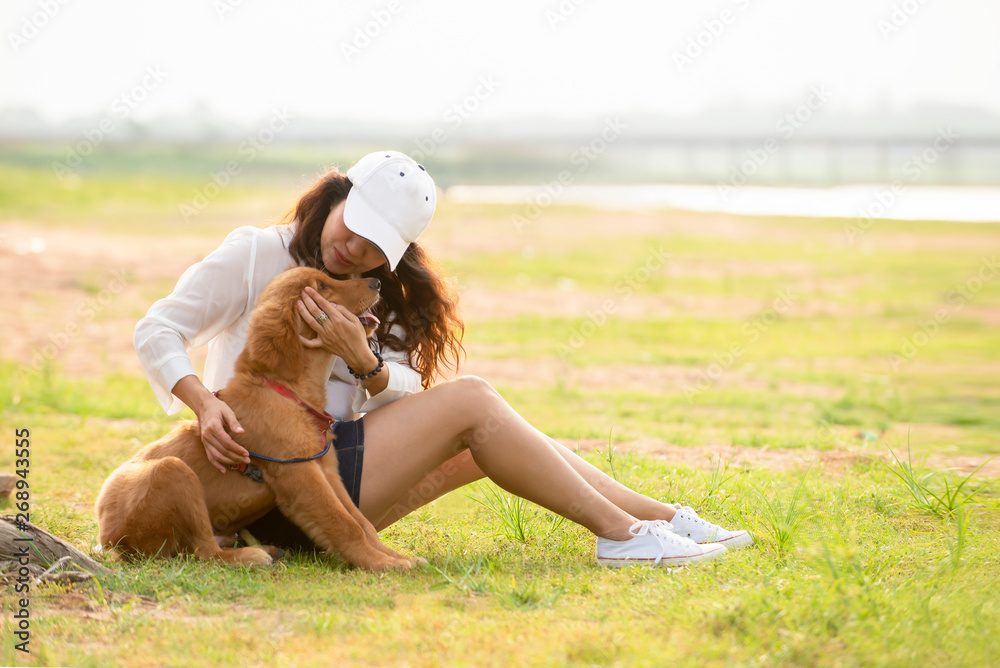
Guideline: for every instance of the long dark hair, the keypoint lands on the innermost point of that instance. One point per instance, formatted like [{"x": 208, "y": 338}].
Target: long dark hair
[{"x": 416, "y": 296}]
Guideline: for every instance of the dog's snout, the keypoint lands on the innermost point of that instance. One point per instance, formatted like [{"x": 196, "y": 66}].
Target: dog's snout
[{"x": 375, "y": 284}]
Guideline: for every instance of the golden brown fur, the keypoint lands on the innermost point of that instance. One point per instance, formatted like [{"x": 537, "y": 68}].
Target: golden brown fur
[{"x": 168, "y": 499}]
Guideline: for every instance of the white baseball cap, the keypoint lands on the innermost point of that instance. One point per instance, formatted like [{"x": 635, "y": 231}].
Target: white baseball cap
[{"x": 391, "y": 202}]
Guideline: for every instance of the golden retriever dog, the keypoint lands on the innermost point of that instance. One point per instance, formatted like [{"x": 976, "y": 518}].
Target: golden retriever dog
[{"x": 168, "y": 499}]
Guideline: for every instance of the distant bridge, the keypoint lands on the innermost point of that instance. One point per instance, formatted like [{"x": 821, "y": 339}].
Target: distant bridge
[{"x": 814, "y": 160}]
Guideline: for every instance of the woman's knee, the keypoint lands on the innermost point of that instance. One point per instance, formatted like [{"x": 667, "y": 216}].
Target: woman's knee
[
  {"x": 474, "y": 393},
  {"x": 485, "y": 409}
]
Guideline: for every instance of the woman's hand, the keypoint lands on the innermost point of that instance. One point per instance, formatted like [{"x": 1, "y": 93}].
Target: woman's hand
[
  {"x": 214, "y": 415},
  {"x": 342, "y": 333},
  {"x": 221, "y": 449}
]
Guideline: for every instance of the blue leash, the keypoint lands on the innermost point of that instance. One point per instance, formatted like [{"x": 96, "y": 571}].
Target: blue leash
[
  {"x": 293, "y": 461},
  {"x": 253, "y": 472}
]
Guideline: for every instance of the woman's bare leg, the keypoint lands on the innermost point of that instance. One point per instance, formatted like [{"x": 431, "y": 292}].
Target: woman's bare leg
[
  {"x": 629, "y": 500},
  {"x": 417, "y": 434},
  {"x": 457, "y": 472},
  {"x": 462, "y": 470}
]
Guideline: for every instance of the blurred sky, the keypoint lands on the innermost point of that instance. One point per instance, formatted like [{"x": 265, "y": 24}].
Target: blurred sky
[{"x": 243, "y": 58}]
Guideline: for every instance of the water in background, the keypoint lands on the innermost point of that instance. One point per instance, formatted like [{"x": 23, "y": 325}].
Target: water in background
[{"x": 899, "y": 202}]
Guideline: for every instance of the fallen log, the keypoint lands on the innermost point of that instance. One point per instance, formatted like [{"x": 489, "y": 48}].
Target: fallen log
[
  {"x": 45, "y": 553},
  {"x": 7, "y": 483}
]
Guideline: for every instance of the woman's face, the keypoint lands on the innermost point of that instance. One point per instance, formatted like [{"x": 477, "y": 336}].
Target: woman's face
[{"x": 343, "y": 251}]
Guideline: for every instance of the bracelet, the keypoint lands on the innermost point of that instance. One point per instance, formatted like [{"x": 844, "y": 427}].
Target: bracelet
[{"x": 370, "y": 374}]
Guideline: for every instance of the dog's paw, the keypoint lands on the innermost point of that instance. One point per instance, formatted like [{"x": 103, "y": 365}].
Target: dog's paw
[
  {"x": 275, "y": 552},
  {"x": 386, "y": 563},
  {"x": 247, "y": 556},
  {"x": 408, "y": 563}
]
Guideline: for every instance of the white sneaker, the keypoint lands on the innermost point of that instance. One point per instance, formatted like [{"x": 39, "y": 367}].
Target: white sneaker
[
  {"x": 653, "y": 543},
  {"x": 687, "y": 524}
]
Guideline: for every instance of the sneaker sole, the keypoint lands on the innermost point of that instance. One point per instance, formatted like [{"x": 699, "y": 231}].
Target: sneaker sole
[
  {"x": 742, "y": 540},
  {"x": 613, "y": 562}
]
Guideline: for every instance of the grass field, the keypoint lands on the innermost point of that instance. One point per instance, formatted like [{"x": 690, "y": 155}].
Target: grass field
[{"x": 668, "y": 336}]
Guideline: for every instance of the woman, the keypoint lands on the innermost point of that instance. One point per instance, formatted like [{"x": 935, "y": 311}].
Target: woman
[{"x": 410, "y": 446}]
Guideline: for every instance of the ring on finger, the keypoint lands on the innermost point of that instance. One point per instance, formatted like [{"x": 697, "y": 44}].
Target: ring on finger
[{"x": 322, "y": 317}]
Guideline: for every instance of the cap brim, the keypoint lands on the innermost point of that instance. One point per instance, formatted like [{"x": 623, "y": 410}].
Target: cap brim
[{"x": 362, "y": 219}]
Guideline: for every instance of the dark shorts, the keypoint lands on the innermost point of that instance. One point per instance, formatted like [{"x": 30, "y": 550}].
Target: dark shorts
[{"x": 276, "y": 529}]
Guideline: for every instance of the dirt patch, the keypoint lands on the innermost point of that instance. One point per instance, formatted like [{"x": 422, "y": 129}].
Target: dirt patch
[
  {"x": 86, "y": 605},
  {"x": 482, "y": 303},
  {"x": 115, "y": 605},
  {"x": 73, "y": 298},
  {"x": 990, "y": 315},
  {"x": 833, "y": 461}
]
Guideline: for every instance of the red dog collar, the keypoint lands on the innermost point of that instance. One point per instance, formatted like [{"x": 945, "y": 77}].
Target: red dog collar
[{"x": 323, "y": 420}]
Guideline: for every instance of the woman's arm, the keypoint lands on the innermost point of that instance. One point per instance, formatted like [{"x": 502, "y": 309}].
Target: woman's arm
[{"x": 209, "y": 297}]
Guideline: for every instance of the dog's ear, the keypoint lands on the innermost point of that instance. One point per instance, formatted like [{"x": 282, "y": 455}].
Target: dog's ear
[{"x": 275, "y": 337}]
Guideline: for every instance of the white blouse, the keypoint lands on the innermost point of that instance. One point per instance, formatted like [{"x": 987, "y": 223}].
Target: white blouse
[{"x": 212, "y": 303}]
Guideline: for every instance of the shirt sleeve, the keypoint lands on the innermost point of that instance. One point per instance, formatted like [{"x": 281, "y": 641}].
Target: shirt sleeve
[
  {"x": 403, "y": 379},
  {"x": 210, "y": 295}
]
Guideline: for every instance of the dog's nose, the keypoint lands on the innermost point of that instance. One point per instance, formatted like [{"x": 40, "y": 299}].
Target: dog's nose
[{"x": 375, "y": 284}]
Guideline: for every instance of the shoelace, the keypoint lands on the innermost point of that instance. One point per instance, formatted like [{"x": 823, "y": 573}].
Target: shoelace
[
  {"x": 693, "y": 516},
  {"x": 659, "y": 529}
]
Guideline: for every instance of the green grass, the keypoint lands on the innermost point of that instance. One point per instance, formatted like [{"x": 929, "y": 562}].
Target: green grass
[
  {"x": 688, "y": 340},
  {"x": 857, "y": 579},
  {"x": 845, "y": 571},
  {"x": 877, "y": 561},
  {"x": 942, "y": 493}
]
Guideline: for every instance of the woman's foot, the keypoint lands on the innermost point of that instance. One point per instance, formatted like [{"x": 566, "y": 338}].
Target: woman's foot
[
  {"x": 687, "y": 524},
  {"x": 655, "y": 544}
]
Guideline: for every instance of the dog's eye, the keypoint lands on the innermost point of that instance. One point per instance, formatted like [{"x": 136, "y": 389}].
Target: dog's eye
[{"x": 323, "y": 286}]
